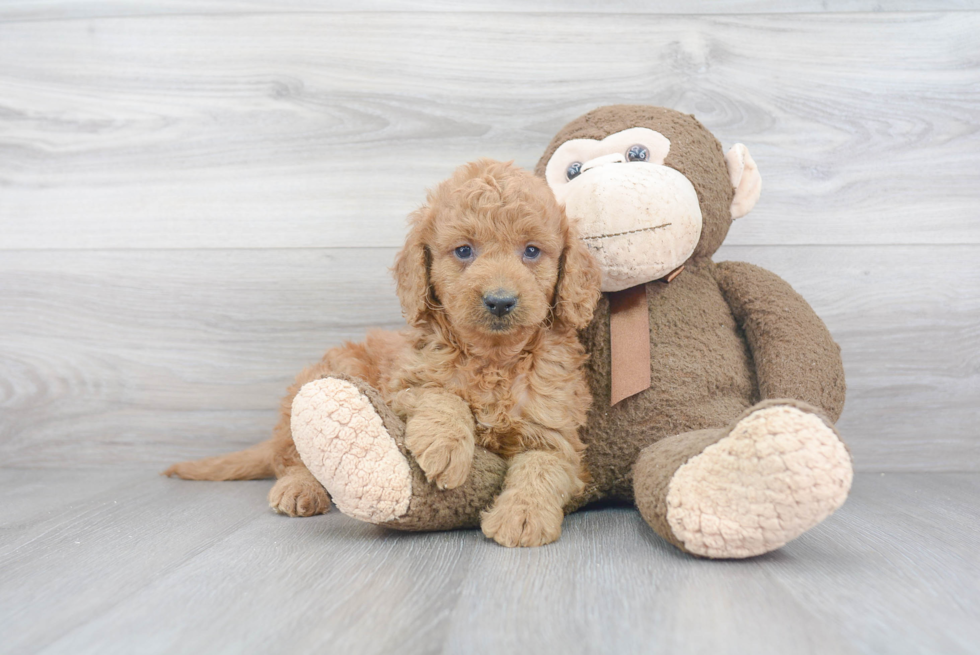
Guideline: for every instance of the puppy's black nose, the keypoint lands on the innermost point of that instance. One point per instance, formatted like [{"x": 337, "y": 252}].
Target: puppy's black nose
[{"x": 499, "y": 303}]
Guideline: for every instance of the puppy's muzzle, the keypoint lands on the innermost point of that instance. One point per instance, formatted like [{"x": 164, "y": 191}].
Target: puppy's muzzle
[{"x": 499, "y": 303}]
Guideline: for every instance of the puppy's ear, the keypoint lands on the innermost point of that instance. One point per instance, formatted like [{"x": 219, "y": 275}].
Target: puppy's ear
[
  {"x": 579, "y": 277},
  {"x": 411, "y": 271}
]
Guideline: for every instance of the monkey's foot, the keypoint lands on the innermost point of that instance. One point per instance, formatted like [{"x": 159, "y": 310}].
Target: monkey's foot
[
  {"x": 344, "y": 443},
  {"x": 778, "y": 472}
]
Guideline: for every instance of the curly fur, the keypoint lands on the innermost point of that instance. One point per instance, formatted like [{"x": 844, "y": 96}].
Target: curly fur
[{"x": 460, "y": 375}]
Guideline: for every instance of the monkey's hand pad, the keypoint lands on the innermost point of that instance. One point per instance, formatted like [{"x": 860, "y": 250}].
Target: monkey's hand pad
[
  {"x": 779, "y": 472},
  {"x": 345, "y": 445}
]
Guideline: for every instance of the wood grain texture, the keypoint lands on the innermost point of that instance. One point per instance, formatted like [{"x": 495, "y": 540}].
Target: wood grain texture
[
  {"x": 107, "y": 354},
  {"x": 112, "y": 543},
  {"x": 613, "y": 586},
  {"x": 34, "y": 501},
  {"x": 932, "y": 523},
  {"x": 157, "y": 356},
  {"x": 47, "y": 10},
  {"x": 158, "y": 566},
  {"x": 323, "y": 129},
  {"x": 324, "y": 585}
]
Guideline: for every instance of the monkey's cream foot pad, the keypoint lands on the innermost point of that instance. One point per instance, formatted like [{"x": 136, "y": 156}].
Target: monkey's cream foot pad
[
  {"x": 344, "y": 443},
  {"x": 778, "y": 473}
]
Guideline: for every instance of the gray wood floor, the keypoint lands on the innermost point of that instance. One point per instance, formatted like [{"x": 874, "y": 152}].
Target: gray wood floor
[
  {"x": 128, "y": 562},
  {"x": 197, "y": 197}
]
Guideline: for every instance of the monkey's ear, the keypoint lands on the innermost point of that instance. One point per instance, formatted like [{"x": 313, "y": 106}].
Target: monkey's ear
[
  {"x": 745, "y": 178},
  {"x": 579, "y": 277},
  {"x": 411, "y": 271}
]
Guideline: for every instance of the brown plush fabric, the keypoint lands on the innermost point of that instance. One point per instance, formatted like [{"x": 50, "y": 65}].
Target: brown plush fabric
[
  {"x": 794, "y": 355},
  {"x": 656, "y": 467},
  {"x": 431, "y": 508},
  {"x": 701, "y": 370},
  {"x": 722, "y": 337}
]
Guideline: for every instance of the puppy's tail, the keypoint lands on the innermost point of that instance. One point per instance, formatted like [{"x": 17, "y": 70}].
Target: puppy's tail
[{"x": 252, "y": 463}]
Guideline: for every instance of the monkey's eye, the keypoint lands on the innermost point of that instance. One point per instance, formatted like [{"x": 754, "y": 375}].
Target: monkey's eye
[
  {"x": 464, "y": 252},
  {"x": 637, "y": 153},
  {"x": 573, "y": 170},
  {"x": 532, "y": 252}
]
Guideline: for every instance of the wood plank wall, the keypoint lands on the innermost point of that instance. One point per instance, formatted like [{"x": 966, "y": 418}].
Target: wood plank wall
[{"x": 197, "y": 198}]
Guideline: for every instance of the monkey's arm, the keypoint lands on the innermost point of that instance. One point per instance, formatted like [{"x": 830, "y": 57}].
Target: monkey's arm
[{"x": 795, "y": 356}]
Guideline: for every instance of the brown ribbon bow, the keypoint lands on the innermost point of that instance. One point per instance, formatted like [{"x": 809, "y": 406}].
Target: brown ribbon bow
[{"x": 629, "y": 336}]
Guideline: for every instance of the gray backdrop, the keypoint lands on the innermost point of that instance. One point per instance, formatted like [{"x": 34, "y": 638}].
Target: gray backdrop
[{"x": 198, "y": 198}]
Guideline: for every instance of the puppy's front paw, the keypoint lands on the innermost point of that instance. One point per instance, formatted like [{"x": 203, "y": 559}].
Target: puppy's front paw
[
  {"x": 295, "y": 496},
  {"x": 444, "y": 452},
  {"x": 512, "y": 522}
]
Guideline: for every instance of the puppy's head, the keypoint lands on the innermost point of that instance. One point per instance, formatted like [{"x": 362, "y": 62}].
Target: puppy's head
[{"x": 492, "y": 256}]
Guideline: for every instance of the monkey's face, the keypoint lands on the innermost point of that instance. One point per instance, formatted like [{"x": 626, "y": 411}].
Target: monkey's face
[{"x": 640, "y": 218}]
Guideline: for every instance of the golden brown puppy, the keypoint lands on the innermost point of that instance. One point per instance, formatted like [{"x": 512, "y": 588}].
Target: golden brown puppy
[{"x": 494, "y": 283}]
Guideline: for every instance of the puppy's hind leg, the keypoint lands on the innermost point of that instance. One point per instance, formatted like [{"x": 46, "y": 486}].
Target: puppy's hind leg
[
  {"x": 530, "y": 510},
  {"x": 296, "y": 492}
]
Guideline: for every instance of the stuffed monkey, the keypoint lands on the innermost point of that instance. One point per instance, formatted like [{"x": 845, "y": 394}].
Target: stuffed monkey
[{"x": 715, "y": 386}]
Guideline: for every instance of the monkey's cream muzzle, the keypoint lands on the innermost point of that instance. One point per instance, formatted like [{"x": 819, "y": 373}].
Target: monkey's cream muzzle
[{"x": 641, "y": 221}]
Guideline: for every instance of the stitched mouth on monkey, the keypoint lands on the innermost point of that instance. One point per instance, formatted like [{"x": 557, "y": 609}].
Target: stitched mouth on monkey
[
  {"x": 640, "y": 222},
  {"x": 639, "y": 217}
]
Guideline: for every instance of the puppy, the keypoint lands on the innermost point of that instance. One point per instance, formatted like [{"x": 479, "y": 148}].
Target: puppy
[{"x": 495, "y": 284}]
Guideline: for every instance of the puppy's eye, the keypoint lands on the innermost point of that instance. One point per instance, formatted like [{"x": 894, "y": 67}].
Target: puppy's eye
[
  {"x": 574, "y": 170},
  {"x": 464, "y": 252},
  {"x": 532, "y": 252},
  {"x": 637, "y": 153}
]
